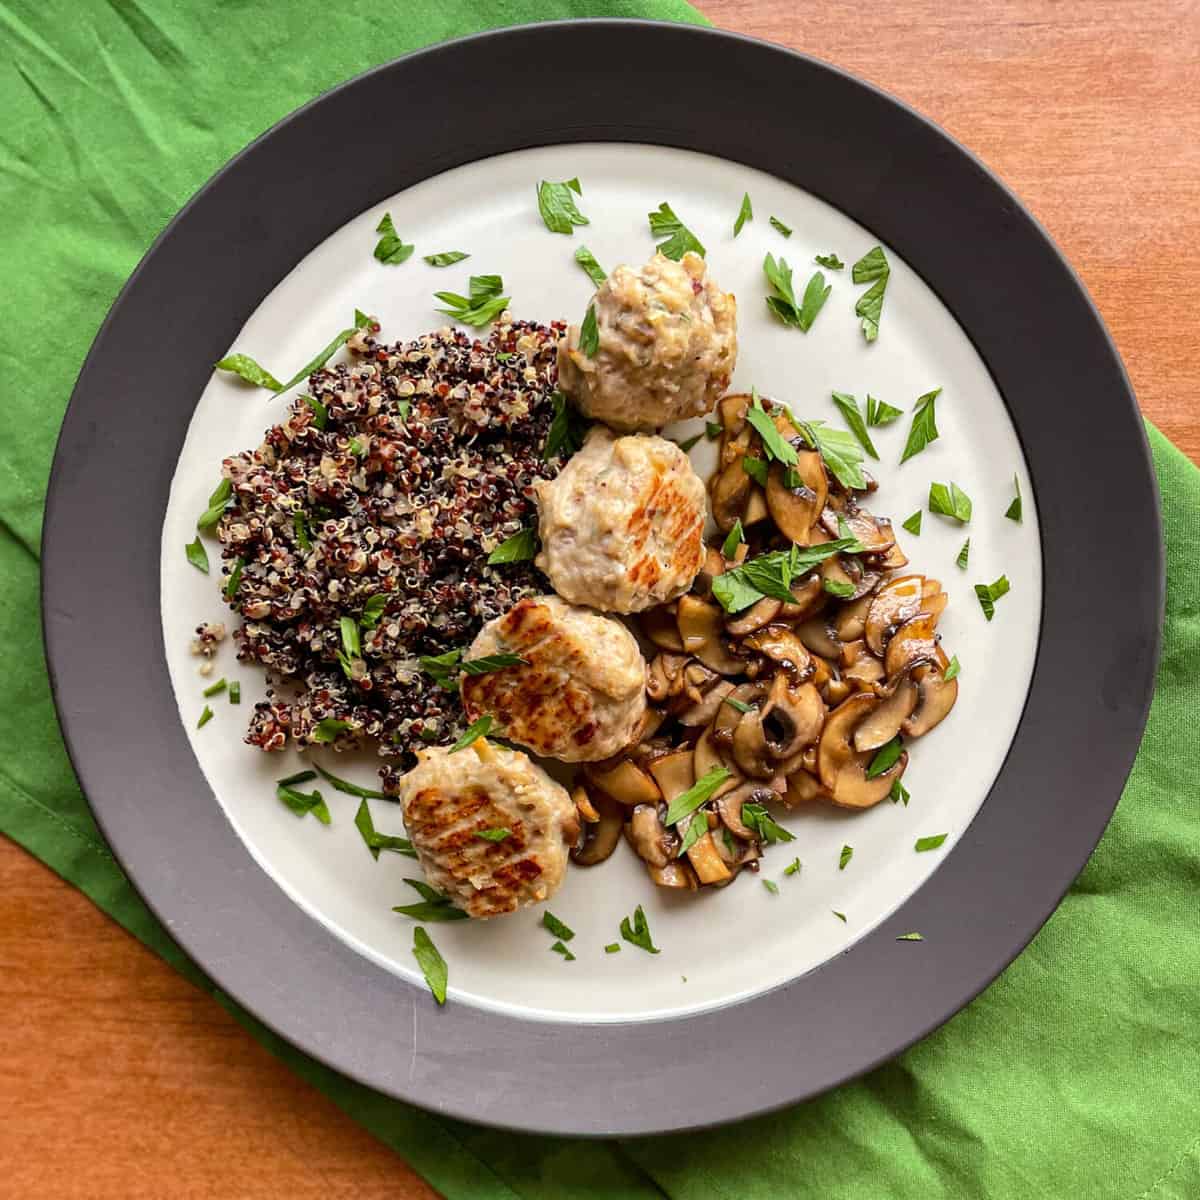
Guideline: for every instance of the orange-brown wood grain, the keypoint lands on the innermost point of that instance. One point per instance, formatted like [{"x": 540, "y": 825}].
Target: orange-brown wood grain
[{"x": 118, "y": 1079}]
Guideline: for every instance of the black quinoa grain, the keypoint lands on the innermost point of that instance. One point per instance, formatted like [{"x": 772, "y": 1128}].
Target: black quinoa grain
[{"x": 447, "y": 445}]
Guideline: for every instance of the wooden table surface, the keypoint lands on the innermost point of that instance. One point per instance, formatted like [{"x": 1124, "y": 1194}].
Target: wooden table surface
[{"x": 120, "y": 1080}]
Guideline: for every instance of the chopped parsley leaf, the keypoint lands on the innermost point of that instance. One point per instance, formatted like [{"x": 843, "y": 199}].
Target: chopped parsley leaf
[
  {"x": 885, "y": 758},
  {"x": 197, "y": 555},
  {"x": 840, "y": 450},
  {"x": 697, "y": 827},
  {"x": 910, "y": 937},
  {"x": 490, "y": 663},
  {"x": 829, "y": 261},
  {"x": 771, "y": 574},
  {"x": 913, "y": 524},
  {"x": 738, "y": 705},
  {"x": 375, "y": 841},
  {"x": 556, "y": 927},
  {"x": 680, "y": 239},
  {"x": 778, "y": 225},
  {"x": 899, "y": 793},
  {"x": 373, "y": 611},
  {"x": 964, "y": 555},
  {"x": 326, "y": 731},
  {"x": 481, "y": 306},
  {"x": 924, "y": 425},
  {"x": 521, "y": 547},
  {"x": 688, "y": 801},
  {"x": 497, "y": 833},
  {"x": 557, "y": 205},
  {"x": 776, "y": 446},
  {"x": 1013, "y": 512},
  {"x": 350, "y": 789},
  {"x": 687, "y": 445},
  {"x": 246, "y": 368},
  {"x": 589, "y": 333},
  {"x": 567, "y": 429},
  {"x": 930, "y": 843},
  {"x": 391, "y": 248},
  {"x": 235, "y": 692},
  {"x": 613, "y": 948},
  {"x": 235, "y": 579},
  {"x": 793, "y": 868},
  {"x": 838, "y": 588},
  {"x": 846, "y": 855},
  {"x": 559, "y": 948},
  {"x": 637, "y": 931},
  {"x": 587, "y": 260},
  {"x": 872, "y": 268},
  {"x": 432, "y": 964},
  {"x": 952, "y": 669},
  {"x": 474, "y": 732},
  {"x": 444, "y": 668},
  {"x": 879, "y": 413},
  {"x": 218, "y": 502},
  {"x": 771, "y": 886},
  {"x": 841, "y": 916},
  {"x": 214, "y": 689},
  {"x": 950, "y": 502},
  {"x": 745, "y": 213},
  {"x": 733, "y": 539},
  {"x": 205, "y": 717},
  {"x": 847, "y": 405},
  {"x": 303, "y": 803},
  {"x": 769, "y": 831},
  {"x": 989, "y": 593},
  {"x": 446, "y": 259},
  {"x": 756, "y": 469}
]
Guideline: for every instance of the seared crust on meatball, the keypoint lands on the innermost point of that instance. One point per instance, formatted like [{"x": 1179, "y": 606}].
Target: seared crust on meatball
[
  {"x": 667, "y": 346},
  {"x": 580, "y": 694},
  {"x": 449, "y": 799},
  {"x": 622, "y": 526}
]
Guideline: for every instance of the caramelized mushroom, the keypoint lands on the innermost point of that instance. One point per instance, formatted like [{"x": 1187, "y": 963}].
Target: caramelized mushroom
[
  {"x": 584, "y": 806},
  {"x": 914, "y": 642},
  {"x": 729, "y": 493},
  {"x": 705, "y": 756},
  {"x": 859, "y": 665},
  {"x": 882, "y": 724},
  {"x": 701, "y": 628},
  {"x": 843, "y": 770},
  {"x": 809, "y": 597},
  {"x": 729, "y": 808},
  {"x": 673, "y": 773},
  {"x": 780, "y": 644},
  {"x": 935, "y": 696},
  {"x": 705, "y": 709},
  {"x": 624, "y": 782},
  {"x": 755, "y": 617},
  {"x": 897, "y": 601},
  {"x": 803, "y": 788},
  {"x": 756, "y": 508},
  {"x": 819, "y": 636},
  {"x": 600, "y": 837},
  {"x": 791, "y": 717},
  {"x": 874, "y": 534},
  {"x": 705, "y": 861},
  {"x": 851, "y": 622},
  {"x": 649, "y": 837},
  {"x": 658, "y": 625},
  {"x": 795, "y": 510},
  {"x": 675, "y": 874}
]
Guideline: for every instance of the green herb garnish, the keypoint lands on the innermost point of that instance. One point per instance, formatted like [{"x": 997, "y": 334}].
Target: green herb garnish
[
  {"x": 989, "y": 593},
  {"x": 846, "y": 855},
  {"x": 490, "y": 663},
  {"x": 244, "y": 366},
  {"x": 756, "y": 817},
  {"x": 924, "y": 425},
  {"x": 840, "y": 450},
  {"x": 391, "y": 248},
  {"x": 745, "y": 213},
  {"x": 696, "y": 828},
  {"x": 777, "y": 224},
  {"x": 830, "y": 261},
  {"x": 433, "y": 907},
  {"x": 496, "y": 834},
  {"x": 689, "y": 443},
  {"x": 738, "y": 705},
  {"x": 432, "y": 964},
  {"x": 637, "y": 932},
  {"x": 376, "y": 842},
  {"x": 835, "y": 587},
  {"x": 879, "y": 413},
  {"x": 205, "y": 717},
  {"x": 557, "y": 205},
  {"x": 733, "y": 539},
  {"x": 559, "y": 948},
  {"x": 351, "y": 639},
  {"x": 302, "y": 803},
  {"x": 756, "y": 469},
  {"x": 214, "y": 689},
  {"x": 218, "y": 502},
  {"x": 326, "y": 731},
  {"x": 712, "y": 430},
  {"x": 899, "y": 793},
  {"x": 556, "y": 927},
  {"x": 848, "y": 407},
  {"x": 913, "y": 524},
  {"x": 447, "y": 258},
  {"x": 771, "y": 886},
  {"x": 235, "y": 692},
  {"x": 360, "y": 320},
  {"x": 197, "y": 555},
  {"x": 930, "y": 843},
  {"x": 613, "y": 948},
  {"x": 687, "y": 802},
  {"x": 776, "y": 446},
  {"x": 589, "y": 333},
  {"x": 350, "y": 789},
  {"x": 1013, "y": 512},
  {"x": 885, "y": 758},
  {"x": 235, "y": 579},
  {"x": 964, "y": 555},
  {"x": 772, "y": 574},
  {"x": 793, "y": 868},
  {"x": 373, "y": 611},
  {"x": 952, "y": 669},
  {"x": 474, "y": 732},
  {"x": 783, "y": 304},
  {"x": 872, "y": 268},
  {"x": 521, "y": 547},
  {"x": 567, "y": 429},
  {"x": 910, "y": 937},
  {"x": 300, "y": 527},
  {"x": 482, "y": 306},
  {"x": 680, "y": 239},
  {"x": 587, "y": 260},
  {"x": 950, "y": 502},
  {"x": 443, "y": 668}
]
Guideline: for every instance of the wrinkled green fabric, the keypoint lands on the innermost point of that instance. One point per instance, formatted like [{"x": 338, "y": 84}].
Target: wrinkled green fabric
[{"x": 1074, "y": 1076}]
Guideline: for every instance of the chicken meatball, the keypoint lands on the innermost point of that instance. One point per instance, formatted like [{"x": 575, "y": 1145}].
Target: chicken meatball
[
  {"x": 449, "y": 799},
  {"x": 622, "y": 526},
  {"x": 667, "y": 347},
  {"x": 580, "y": 692}
]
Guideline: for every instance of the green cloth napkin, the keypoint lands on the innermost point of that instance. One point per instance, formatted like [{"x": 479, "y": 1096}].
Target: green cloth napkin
[{"x": 1075, "y": 1075}]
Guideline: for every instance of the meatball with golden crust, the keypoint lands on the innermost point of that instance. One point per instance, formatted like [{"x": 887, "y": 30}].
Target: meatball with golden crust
[
  {"x": 580, "y": 691},
  {"x": 450, "y": 798},
  {"x": 622, "y": 526},
  {"x": 667, "y": 346}
]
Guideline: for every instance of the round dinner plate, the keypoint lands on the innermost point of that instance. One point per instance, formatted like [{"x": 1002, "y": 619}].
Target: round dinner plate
[{"x": 758, "y": 998}]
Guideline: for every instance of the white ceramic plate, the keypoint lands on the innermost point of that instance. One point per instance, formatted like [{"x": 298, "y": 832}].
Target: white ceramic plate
[{"x": 717, "y": 946}]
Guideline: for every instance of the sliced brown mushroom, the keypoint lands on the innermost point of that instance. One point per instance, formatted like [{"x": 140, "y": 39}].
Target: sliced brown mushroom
[
  {"x": 730, "y": 491},
  {"x": 833, "y": 571},
  {"x": 819, "y": 636},
  {"x": 755, "y": 617},
  {"x": 935, "y": 696},
  {"x": 747, "y": 695},
  {"x": 756, "y": 508},
  {"x": 803, "y": 788},
  {"x": 649, "y": 837},
  {"x": 897, "y": 601},
  {"x": 835, "y": 691},
  {"x": 851, "y": 619},
  {"x": 706, "y": 756},
  {"x": 781, "y": 644},
  {"x": 886, "y": 720},
  {"x": 658, "y": 625},
  {"x": 583, "y": 805},
  {"x": 874, "y": 534},
  {"x": 675, "y": 874},
  {"x": 893, "y": 560},
  {"x": 702, "y": 629},
  {"x": 750, "y": 749},
  {"x": 859, "y": 665},
  {"x": 842, "y": 769},
  {"x": 624, "y": 782},
  {"x": 795, "y": 509},
  {"x": 809, "y": 597},
  {"x": 729, "y": 808},
  {"x": 733, "y": 412},
  {"x": 791, "y": 717},
  {"x": 674, "y": 773},
  {"x": 705, "y": 709},
  {"x": 600, "y": 837},
  {"x": 705, "y": 861},
  {"x": 652, "y": 718},
  {"x": 915, "y": 641}
]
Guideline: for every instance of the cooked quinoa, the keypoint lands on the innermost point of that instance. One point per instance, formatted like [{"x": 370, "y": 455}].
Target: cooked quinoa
[{"x": 415, "y": 461}]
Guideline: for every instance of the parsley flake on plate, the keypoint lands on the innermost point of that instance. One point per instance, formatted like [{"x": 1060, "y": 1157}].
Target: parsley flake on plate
[
  {"x": 950, "y": 502},
  {"x": 989, "y": 593},
  {"x": 910, "y": 937},
  {"x": 847, "y": 405},
  {"x": 952, "y": 669},
  {"x": 589, "y": 333},
  {"x": 930, "y": 843},
  {"x": 391, "y": 248},
  {"x": 613, "y": 948},
  {"x": 872, "y": 268},
  {"x": 769, "y": 831},
  {"x": 556, "y": 203},
  {"x": 637, "y": 931},
  {"x": 197, "y": 555},
  {"x": 559, "y": 948},
  {"x": 841, "y": 916},
  {"x": 214, "y": 689},
  {"x": 964, "y": 555},
  {"x": 481, "y": 306},
  {"x": 924, "y": 425},
  {"x": 446, "y": 259},
  {"x": 793, "y": 868},
  {"x": 521, "y": 547},
  {"x": 556, "y": 927},
  {"x": 474, "y": 732},
  {"x": 846, "y": 855},
  {"x": 350, "y": 789},
  {"x": 687, "y": 445},
  {"x": 375, "y": 841},
  {"x": 771, "y": 886},
  {"x": 780, "y": 227},
  {"x": 587, "y": 260},
  {"x": 899, "y": 793},
  {"x": 302, "y": 803},
  {"x": 235, "y": 692},
  {"x": 246, "y": 368},
  {"x": 433, "y": 907},
  {"x": 913, "y": 524},
  {"x": 432, "y": 964},
  {"x": 1013, "y": 512},
  {"x": 829, "y": 261},
  {"x": 680, "y": 239},
  {"x": 205, "y": 717},
  {"x": 745, "y": 213},
  {"x": 879, "y": 413}
]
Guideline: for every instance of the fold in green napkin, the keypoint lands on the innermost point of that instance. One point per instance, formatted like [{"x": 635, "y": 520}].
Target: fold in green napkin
[{"x": 1075, "y": 1075}]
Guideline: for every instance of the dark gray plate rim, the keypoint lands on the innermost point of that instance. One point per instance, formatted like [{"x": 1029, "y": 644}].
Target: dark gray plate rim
[{"x": 739, "y": 99}]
